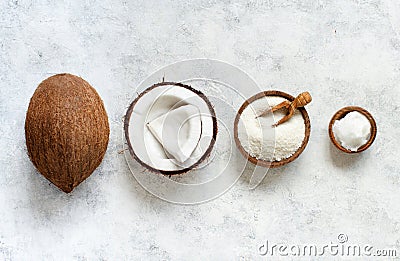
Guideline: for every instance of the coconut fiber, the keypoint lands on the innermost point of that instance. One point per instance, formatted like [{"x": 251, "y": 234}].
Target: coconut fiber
[{"x": 66, "y": 130}]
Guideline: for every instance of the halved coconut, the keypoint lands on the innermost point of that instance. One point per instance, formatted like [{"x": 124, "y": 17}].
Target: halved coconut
[
  {"x": 178, "y": 131},
  {"x": 170, "y": 128}
]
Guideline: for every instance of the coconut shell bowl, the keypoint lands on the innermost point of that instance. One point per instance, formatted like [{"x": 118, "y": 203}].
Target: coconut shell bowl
[
  {"x": 341, "y": 114},
  {"x": 261, "y": 162}
]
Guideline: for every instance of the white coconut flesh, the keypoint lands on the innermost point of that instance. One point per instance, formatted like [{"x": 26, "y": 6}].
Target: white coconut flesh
[
  {"x": 170, "y": 128},
  {"x": 178, "y": 131}
]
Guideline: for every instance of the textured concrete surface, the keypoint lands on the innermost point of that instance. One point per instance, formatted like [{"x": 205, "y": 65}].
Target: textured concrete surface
[{"x": 344, "y": 52}]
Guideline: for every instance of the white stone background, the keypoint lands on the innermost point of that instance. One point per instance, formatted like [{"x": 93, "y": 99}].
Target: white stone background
[{"x": 345, "y": 52}]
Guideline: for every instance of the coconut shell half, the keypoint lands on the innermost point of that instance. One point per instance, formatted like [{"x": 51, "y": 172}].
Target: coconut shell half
[
  {"x": 153, "y": 93},
  {"x": 66, "y": 130}
]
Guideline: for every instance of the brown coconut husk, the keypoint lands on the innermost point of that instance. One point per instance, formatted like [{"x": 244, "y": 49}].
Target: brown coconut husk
[{"x": 66, "y": 130}]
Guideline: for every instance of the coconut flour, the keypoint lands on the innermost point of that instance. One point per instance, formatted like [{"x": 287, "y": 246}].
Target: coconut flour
[{"x": 265, "y": 142}]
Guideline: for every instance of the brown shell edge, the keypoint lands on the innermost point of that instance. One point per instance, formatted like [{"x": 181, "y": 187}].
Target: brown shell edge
[
  {"x": 339, "y": 115},
  {"x": 264, "y": 163},
  {"x": 172, "y": 172}
]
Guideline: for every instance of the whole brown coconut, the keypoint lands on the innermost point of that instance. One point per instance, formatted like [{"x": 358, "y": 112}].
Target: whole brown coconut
[{"x": 66, "y": 130}]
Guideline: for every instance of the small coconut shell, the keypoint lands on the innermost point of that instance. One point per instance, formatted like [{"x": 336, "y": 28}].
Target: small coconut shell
[{"x": 66, "y": 130}]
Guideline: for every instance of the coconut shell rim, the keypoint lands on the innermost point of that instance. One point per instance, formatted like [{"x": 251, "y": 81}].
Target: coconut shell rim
[
  {"x": 341, "y": 114},
  {"x": 265, "y": 163},
  {"x": 170, "y": 172}
]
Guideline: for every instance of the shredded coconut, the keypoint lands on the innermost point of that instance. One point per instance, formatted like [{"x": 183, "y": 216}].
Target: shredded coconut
[{"x": 259, "y": 138}]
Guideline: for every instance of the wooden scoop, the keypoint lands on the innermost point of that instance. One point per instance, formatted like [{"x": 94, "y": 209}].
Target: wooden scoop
[{"x": 300, "y": 101}]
